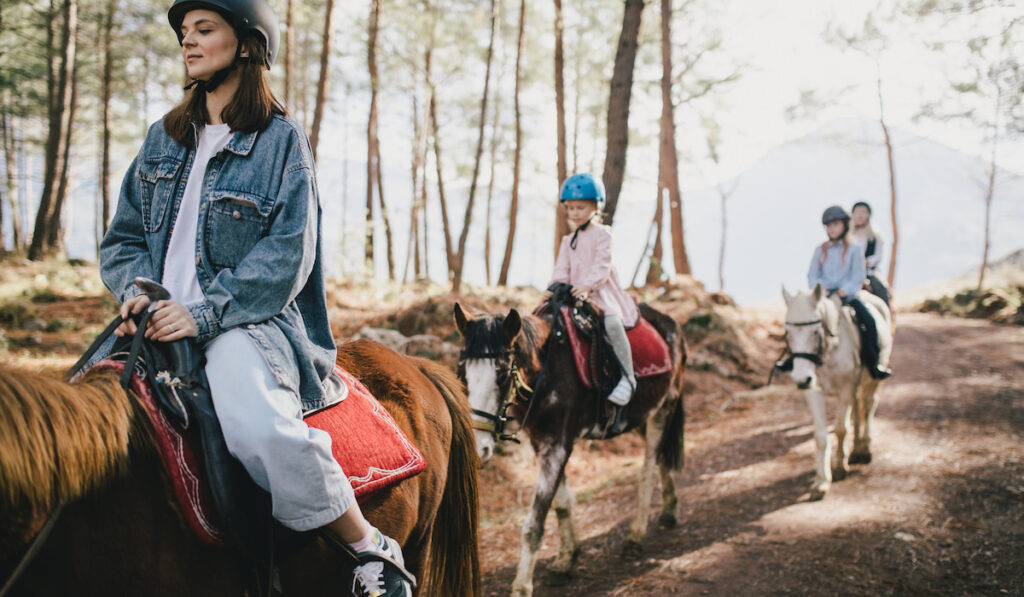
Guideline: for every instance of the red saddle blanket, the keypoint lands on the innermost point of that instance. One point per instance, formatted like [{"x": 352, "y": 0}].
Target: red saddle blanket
[
  {"x": 650, "y": 351},
  {"x": 366, "y": 442}
]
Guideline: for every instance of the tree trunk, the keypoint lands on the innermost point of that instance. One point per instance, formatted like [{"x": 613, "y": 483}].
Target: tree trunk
[
  {"x": 618, "y": 105},
  {"x": 412, "y": 247},
  {"x": 668, "y": 158},
  {"x": 460, "y": 259},
  {"x": 991, "y": 189},
  {"x": 388, "y": 241},
  {"x": 105, "y": 92},
  {"x": 59, "y": 75},
  {"x": 561, "y": 224},
  {"x": 10, "y": 189},
  {"x": 56, "y": 229},
  {"x": 655, "y": 269},
  {"x": 289, "y": 42},
  {"x": 490, "y": 185},
  {"x": 513, "y": 209},
  {"x": 325, "y": 67},
  {"x": 892, "y": 185},
  {"x": 371, "y": 131}
]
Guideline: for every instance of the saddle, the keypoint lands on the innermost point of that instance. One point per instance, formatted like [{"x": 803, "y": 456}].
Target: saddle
[
  {"x": 596, "y": 364},
  {"x": 219, "y": 500}
]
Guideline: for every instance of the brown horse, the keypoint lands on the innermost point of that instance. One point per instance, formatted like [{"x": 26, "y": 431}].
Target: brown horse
[
  {"x": 506, "y": 356},
  {"x": 87, "y": 446}
]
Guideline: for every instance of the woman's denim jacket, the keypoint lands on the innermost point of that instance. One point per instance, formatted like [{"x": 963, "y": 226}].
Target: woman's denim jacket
[{"x": 258, "y": 256}]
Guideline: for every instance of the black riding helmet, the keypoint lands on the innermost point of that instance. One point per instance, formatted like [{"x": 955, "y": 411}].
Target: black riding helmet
[
  {"x": 863, "y": 204},
  {"x": 246, "y": 16},
  {"x": 834, "y": 213}
]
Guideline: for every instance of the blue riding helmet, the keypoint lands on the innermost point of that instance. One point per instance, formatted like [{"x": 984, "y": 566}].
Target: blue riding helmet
[{"x": 583, "y": 186}]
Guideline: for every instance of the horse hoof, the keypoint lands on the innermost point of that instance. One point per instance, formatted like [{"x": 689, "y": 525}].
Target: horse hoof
[
  {"x": 631, "y": 549},
  {"x": 667, "y": 520},
  {"x": 839, "y": 474},
  {"x": 818, "y": 492},
  {"x": 860, "y": 458}
]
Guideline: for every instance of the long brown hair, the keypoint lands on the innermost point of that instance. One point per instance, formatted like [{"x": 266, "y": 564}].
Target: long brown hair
[{"x": 249, "y": 110}]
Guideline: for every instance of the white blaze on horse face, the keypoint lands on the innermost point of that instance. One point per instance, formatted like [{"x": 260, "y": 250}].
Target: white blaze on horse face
[
  {"x": 803, "y": 338},
  {"x": 482, "y": 385}
]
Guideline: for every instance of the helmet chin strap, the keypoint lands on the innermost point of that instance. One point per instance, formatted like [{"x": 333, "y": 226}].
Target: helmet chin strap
[{"x": 218, "y": 77}]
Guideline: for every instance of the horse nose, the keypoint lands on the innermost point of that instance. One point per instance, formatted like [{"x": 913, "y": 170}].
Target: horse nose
[{"x": 805, "y": 383}]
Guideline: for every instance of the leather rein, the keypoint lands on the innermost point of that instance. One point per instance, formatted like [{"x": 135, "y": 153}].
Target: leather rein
[{"x": 517, "y": 388}]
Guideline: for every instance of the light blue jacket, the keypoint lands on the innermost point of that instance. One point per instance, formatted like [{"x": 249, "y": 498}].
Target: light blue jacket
[
  {"x": 834, "y": 270},
  {"x": 258, "y": 255}
]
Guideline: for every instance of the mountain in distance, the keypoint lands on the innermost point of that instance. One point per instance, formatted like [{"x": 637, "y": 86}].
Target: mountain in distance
[{"x": 773, "y": 217}]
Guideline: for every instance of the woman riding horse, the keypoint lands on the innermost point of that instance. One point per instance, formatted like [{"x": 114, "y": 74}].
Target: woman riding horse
[{"x": 221, "y": 204}]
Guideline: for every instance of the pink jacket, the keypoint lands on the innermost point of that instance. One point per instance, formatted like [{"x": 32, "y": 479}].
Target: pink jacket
[{"x": 590, "y": 264}]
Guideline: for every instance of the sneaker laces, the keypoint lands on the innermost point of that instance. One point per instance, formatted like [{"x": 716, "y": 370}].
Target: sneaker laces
[{"x": 370, "y": 577}]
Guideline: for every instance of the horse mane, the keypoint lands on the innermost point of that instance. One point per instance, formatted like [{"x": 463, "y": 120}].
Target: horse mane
[
  {"x": 58, "y": 440},
  {"x": 532, "y": 337}
]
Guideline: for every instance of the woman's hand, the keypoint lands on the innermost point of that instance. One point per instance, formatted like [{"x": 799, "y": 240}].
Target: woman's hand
[
  {"x": 581, "y": 292},
  {"x": 841, "y": 293},
  {"x": 547, "y": 294},
  {"x": 132, "y": 306},
  {"x": 171, "y": 321}
]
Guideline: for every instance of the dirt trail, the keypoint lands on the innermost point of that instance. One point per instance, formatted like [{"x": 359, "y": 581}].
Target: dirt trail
[{"x": 940, "y": 511}]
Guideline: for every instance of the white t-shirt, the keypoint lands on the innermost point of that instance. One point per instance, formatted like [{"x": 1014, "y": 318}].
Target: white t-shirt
[{"x": 180, "y": 264}]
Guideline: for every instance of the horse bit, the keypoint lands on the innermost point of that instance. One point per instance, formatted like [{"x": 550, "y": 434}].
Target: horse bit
[{"x": 517, "y": 386}]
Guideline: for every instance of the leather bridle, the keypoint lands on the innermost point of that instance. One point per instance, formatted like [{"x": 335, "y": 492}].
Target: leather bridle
[
  {"x": 515, "y": 388},
  {"x": 814, "y": 357}
]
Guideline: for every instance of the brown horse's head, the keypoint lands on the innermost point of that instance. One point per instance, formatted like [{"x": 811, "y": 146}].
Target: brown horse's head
[{"x": 493, "y": 347}]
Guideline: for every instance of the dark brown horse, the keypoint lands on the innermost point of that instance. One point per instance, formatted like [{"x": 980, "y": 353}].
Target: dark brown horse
[
  {"x": 86, "y": 445},
  {"x": 502, "y": 363}
]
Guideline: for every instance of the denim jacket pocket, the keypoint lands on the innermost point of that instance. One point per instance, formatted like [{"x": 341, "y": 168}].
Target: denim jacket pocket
[
  {"x": 156, "y": 187},
  {"x": 236, "y": 220}
]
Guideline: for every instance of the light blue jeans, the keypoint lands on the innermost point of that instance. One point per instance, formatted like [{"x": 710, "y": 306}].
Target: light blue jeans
[{"x": 263, "y": 428}]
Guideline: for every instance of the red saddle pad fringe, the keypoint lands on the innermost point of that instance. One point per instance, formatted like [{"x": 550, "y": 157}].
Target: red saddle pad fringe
[{"x": 650, "y": 351}]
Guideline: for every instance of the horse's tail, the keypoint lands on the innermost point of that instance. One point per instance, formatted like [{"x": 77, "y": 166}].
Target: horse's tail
[
  {"x": 671, "y": 449},
  {"x": 453, "y": 562}
]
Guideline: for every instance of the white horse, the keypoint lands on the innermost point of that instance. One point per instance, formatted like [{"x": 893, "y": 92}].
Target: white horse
[{"x": 823, "y": 340}]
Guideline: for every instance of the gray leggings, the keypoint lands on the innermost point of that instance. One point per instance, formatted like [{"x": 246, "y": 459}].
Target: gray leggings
[{"x": 615, "y": 330}]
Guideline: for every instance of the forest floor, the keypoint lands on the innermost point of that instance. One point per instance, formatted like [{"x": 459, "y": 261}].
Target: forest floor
[{"x": 939, "y": 511}]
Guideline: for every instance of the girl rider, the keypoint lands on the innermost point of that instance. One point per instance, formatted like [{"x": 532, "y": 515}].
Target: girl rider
[
  {"x": 585, "y": 261},
  {"x": 865, "y": 234},
  {"x": 221, "y": 204},
  {"x": 838, "y": 265}
]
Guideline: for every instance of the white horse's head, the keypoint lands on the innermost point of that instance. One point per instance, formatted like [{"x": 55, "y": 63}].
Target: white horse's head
[{"x": 811, "y": 323}]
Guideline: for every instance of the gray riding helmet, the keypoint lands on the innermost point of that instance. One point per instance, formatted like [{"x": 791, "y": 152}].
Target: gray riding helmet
[
  {"x": 246, "y": 16},
  {"x": 834, "y": 213}
]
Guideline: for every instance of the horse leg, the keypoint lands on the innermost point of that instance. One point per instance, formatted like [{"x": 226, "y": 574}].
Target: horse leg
[
  {"x": 552, "y": 459},
  {"x": 867, "y": 401},
  {"x": 667, "y": 519},
  {"x": 561, "y": 569},
  {"x": 633, "y": 545},
  {"x": 846, "y": 402},
  {"x": 822, "y": 474}
]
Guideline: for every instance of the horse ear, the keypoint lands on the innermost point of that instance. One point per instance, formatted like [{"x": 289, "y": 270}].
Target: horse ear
[
  {"x": 786, "y": 295},
  {"x": 460, "y": 319},
  {"x": 818, "y": 292},
  {"x": 512, "y": 325}
]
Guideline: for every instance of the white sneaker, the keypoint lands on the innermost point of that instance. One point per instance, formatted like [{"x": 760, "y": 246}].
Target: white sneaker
[
  {"x": 622, "y": 392},
  {"x": 382, "y": 573}
]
